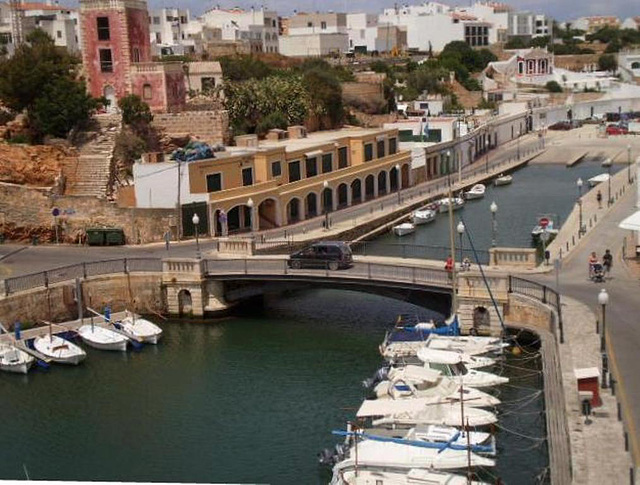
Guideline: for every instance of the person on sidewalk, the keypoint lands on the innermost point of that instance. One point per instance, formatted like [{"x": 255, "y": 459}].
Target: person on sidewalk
[
  {"x": 593, "y": 260},
  {"x": 599, "y": 199},
  {"x": 607, "y": 261},
  {"x": 448, "y": 266}
]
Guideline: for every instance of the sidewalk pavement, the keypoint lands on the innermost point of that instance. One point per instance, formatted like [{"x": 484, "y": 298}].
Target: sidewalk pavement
[{"x": 598, "y": 453}]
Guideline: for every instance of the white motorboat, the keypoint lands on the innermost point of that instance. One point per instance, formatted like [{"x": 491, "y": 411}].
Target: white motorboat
[
  {"x": 471, "y": 361},
  {"x": 399, "y": 456},
  {"x": 59, "y": 350},
  {"x": 476, "y": 192},
  {"x": 503, "y": 180},
  {"x": 423, "y": 216},
  {"x": 414, "y": 476},
  {"x": 443, "y": 204},
  {"x": 102, "y": 338},
  {"x": 598, "y": 179},
  {"x": 12, "y": 359},
  {"x": 139, "y": 329},
  {"x": 451, "y": 365},
  {"x": 404, "y": 229},
  {"x": 538, "y": 230},
  {"x": 397, "y": 351},
  {"x": 407, "y": 383}
]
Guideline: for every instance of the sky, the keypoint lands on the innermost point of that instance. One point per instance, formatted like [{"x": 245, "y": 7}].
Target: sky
[{"x": 558, "y": 9}]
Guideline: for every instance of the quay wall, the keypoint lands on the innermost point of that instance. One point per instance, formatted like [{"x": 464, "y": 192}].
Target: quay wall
[{"x": 142, "y": 293}]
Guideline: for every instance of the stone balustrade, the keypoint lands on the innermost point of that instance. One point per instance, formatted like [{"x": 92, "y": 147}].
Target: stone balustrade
[{"x": 520, "y": 257}]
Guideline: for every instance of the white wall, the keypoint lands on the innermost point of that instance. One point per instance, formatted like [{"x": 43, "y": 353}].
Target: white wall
[
  {"x": 313, "y": 45},
  {"x": 156, "y": 185}
]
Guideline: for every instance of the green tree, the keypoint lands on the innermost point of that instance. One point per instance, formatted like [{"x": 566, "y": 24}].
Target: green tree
[
  {"x": 34, "y": 65},
  {"x": 516, "y": 43},
  {"x": 242, "y": 68},
  {"x": 271, "y": 121},
  {"x": 64, "y": 103},
  {"x": 553, "y": 87},
  {"x": 607, "y": 62},
  {"x": 135, "y": 112},
  {"x": 325, "y": 96}
]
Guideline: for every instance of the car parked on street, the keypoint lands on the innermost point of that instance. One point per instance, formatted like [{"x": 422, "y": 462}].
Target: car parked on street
[
  {"x": 616, "y": 130},
  {"x": 331, "y": 255}
]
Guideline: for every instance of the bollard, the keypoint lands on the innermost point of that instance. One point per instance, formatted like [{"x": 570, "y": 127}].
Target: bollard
[
  {"x": 619, "y": 412},
  {"x": 573, "y": 240},
  {"x": 626, "y": 441},
  {"x": 567, "y": 246},
  {"x": 632, "y": 480}
]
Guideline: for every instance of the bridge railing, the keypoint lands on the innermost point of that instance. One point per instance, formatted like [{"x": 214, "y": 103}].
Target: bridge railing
[
  {"x": 43, "y": 279},
  {"x": 415, "y": 251},
  {"x": 374, "y": 271}
]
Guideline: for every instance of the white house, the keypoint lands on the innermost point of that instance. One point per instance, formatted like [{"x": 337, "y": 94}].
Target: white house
[
  {"x": 314, "y": 45},
  {"x": 631, "y": 23},
  {"x": 156, "y": 185},
  {"x": 260, "y": 27},
  {"x": 362, "y": 29},
  {"x": 528, "y": 25},
  {"x": 497, "y": 14}
]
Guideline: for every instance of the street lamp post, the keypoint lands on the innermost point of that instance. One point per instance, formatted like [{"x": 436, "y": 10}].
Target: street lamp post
[
  {"x": 579, "y": 183},
  {"x": 629, "y": 163},
  {"x": 325, "y": 192},
  {"x": 603, "y": 300},
  {"x": 609, "y": 199},
  {"x": 460, "y": 228},
  {"x": 398, "y": 181},
  {"x": 250, "y": 206},
  {"x": 196, "y": 220},
  {"x": 494, "y": 225},
  {"x": 518, "y": 144}
]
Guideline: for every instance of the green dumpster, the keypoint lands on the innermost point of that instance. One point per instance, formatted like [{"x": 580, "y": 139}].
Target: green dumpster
[{"x": 105, "y": 236}]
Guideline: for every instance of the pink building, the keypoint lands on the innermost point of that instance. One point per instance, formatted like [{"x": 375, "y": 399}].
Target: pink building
[{"x": 116, "y": 54}]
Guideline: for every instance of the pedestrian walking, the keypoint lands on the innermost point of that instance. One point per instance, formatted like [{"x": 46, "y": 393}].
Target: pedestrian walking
[
  {"x": 607, "y": 261},
  {"x": 167, "y": 239},
  {"x": 593, "y": 260},
  {"x": 599, "y": 199},
  {"x": 448, "y": 267}
]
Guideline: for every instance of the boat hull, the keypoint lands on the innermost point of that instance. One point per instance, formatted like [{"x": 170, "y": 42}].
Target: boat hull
[
  {"x": 502, "y": 181},
  {"x": 403, "y": 231},
  {"x": 117, "y": 346},
  {"x": 21, "y": 368},
  {"x": 74, "y": 358}
]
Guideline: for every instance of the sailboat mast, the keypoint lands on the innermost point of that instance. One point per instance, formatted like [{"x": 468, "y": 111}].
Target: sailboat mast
[
  {"x": 452, "y": 245},
  {"x": 469, "y": 474}
]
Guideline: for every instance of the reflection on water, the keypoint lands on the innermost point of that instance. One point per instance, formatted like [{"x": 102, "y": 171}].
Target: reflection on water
[{"x": 246, "y": 399}]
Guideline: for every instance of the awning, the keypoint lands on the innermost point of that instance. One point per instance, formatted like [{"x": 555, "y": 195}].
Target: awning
[{"x": 632, "y": 222}]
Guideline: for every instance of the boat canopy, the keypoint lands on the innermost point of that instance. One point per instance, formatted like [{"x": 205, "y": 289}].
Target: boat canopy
[
  {"x": 417, "y": 373},
  {"x": 436, "y": 356}
]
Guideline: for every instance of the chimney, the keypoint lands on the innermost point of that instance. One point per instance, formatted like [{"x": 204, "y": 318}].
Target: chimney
[
  {"x": 247, "y": 141},
  {"x": 297, "y": 131},
  {"x": 276, "y": 134}
]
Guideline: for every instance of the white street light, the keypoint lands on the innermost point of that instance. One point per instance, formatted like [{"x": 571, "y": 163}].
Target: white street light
[
  {"x": 398, "y": 181},
  {"x": 629, "y": 163},
  {"x": 494, "y": 226},
  {"x": 196, "y": 220},
  {"x": 579, "y": 183},
  {"x": 603, "y": 300},
  {"x": 460, "y": 228}
]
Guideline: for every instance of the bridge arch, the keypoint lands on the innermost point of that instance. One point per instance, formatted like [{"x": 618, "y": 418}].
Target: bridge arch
[
  {"x": 481, "y": 319},
  {"x": 185, "y": 303}
]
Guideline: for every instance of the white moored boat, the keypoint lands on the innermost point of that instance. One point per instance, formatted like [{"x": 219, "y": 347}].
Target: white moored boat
[
  {"x": 139, "y": 329},
  {"x": 102, "y": 338},
  {"x": 598, "y": 179},
  {"x": 413, "y": 382},
  {"x": 458, "y": 203},
  {"x": 404, "y": 229},
  {"x": 471, "y": 361},
  {"x": 451, "y": 365},
  {"x": 476, "y": 192},
  {"x": 503, "y": 180},
  {"x": 399, "y": 456},
  {"x": 414, "y": 476},
  {"x": 15, "y": 360},
  {"x": 423, "y": 216},
  {"x": 59, "y": 350},
  {"x": 397, "y": 351}
]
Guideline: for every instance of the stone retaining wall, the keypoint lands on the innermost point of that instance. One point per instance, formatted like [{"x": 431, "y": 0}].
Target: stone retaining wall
[{"x": 210, "y": 126}]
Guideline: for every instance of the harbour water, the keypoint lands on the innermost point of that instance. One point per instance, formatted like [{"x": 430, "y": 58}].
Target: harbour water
[
  {"x": 252, "y": 398},
  {"x": 545, "y": 189}
]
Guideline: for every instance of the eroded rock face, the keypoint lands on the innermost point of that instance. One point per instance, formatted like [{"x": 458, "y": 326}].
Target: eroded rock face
[{"x": 35, "y": 165}]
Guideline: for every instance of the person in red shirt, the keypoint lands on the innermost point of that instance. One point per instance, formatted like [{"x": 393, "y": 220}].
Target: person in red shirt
[{"x": 448, "y": 266}]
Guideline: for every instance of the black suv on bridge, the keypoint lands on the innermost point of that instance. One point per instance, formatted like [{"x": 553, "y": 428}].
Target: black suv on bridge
[{"x": 324, "y": 254}]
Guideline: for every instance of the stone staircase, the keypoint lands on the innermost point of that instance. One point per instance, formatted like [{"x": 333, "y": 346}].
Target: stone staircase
[{"x": 92, "y": 174}]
